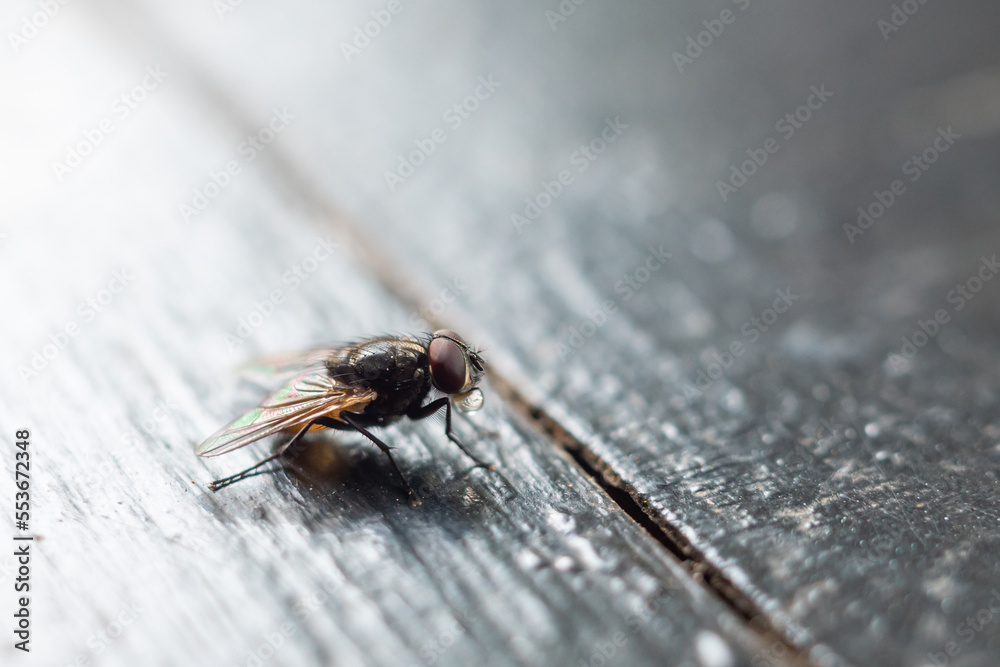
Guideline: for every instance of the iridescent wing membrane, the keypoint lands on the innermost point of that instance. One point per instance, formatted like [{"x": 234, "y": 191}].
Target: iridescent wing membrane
[
  {"x": 311, "y": 394},
  {"x": 283, "y": 365}
]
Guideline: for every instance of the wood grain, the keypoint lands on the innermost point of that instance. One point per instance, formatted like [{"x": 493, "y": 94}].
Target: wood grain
[
  {"x": 845, "y": 493},
  {"x": 136, "y": 563}
]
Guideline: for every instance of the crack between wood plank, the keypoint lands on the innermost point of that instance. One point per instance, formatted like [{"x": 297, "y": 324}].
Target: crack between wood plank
[
  {"x": 621, "y": 494},
  {"x": 626, "y": 498},
  {"x": 398, "y": 285}
]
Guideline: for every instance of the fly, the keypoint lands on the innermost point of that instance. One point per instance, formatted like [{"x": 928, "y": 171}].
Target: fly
[{"x": 358, "y": 386}]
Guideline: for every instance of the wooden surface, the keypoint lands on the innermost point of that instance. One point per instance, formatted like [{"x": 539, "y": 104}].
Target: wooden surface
[{"x": 819, "y": 492}]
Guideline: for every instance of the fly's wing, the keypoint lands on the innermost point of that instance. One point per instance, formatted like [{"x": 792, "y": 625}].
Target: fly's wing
[
  {"x": 313, "y": 393},
  {"x": 272, "y": 369},
  {"x": 292, "y": 361}
]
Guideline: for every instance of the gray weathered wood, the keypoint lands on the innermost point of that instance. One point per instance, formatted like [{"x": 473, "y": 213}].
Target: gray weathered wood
[
  {"x": 136, "y": 563},
  {"x": 850, "y": 497}
]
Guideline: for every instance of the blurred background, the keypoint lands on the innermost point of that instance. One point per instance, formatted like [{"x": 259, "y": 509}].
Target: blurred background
[
  {"x": 696, "y": 106},
  {"x": 610, "y": 198}
]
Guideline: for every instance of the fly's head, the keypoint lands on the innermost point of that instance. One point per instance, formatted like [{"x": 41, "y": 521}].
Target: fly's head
[{"x": 456, "y": 369}]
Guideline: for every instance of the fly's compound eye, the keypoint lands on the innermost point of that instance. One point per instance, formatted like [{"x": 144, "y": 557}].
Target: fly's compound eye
[{"x": 449, "y": 369}]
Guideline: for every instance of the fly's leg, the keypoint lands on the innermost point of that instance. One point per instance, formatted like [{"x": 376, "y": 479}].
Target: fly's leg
[
  {"x": 347, "y": 419},
  {"x": 434, "y": 406},
  {"x": 226, "y": 481}
]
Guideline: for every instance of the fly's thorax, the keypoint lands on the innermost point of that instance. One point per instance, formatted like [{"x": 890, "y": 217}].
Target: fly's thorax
[
  {"x": 395, "y": 368},
  {"x": 376, "y": 358}
]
